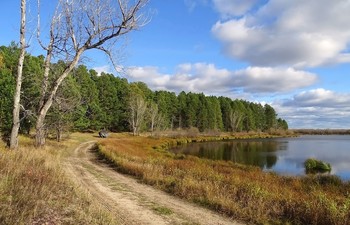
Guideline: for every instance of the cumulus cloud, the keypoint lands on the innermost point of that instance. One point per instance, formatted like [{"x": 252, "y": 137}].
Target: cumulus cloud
[
  {"x": 294, "y": 33},
  {"x": 320, "y": 98},
  {"x": 267, "y": 79},
  {"x": 317, "y": 108},
  {"x": 197, "y": 77},
  {"x": 206, "y": 78},
  {"x": 105, "y": 69}
]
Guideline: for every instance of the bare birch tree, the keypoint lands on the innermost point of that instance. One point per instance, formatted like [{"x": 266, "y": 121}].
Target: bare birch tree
[
  {"x": 235, "y": 119},
  {"x": 137, "y": 110},
  {"x": 153, "y": 114},
  {"x": 77, "y": 26},
  {"x": 17, "y": 95}
]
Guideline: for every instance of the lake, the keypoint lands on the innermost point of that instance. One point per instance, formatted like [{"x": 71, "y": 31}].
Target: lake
[{"x": 282, "y": 155}]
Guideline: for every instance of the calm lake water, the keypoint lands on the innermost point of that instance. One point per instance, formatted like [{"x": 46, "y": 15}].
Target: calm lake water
[{"x": 282, "y": 155}]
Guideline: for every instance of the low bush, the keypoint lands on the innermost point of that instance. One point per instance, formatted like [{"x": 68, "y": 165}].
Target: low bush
[{"x": 314, "y": 166}]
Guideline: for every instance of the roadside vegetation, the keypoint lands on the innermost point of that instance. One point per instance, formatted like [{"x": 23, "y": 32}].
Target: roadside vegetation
[
  {"x": 35, "y": 190},
  {"x": 241, "y": 192}
]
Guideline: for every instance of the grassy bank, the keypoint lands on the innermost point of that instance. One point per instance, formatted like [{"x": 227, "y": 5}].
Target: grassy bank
[
  {"x": 242, "y": 192},
  {"x": 35, "y": 190}
]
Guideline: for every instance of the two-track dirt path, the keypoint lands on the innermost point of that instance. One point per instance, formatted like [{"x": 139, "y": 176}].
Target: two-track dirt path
[{"x": 132, "y": 202}]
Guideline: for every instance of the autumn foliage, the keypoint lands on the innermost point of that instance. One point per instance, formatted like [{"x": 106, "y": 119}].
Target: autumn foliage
[{"x": 241, "y": 192}]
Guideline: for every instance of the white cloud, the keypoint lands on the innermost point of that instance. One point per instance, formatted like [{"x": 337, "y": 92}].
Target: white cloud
[
  {"x": 267, "y": 79},
  {"x": 291, "y": 33},
  {"x": 206, "y": 78},
  {"x": 320, "y": 98},
  {"x": 197, "y": 77},
  {"x": 317, "y": 108},
  {"x": 104, "y": 69}
]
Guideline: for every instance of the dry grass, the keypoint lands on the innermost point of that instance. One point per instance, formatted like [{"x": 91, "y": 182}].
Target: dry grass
[
  {"x": 193, "y": 132},
  {"x": 35, "y": 190},
  {"x": 243, "y": 192},
  {"x": 322, "y": 131}
]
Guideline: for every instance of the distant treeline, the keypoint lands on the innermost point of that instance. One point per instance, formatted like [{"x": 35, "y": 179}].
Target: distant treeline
[
  {"x": 88, "y": 101},
  {"x": 321, "y": 131}
]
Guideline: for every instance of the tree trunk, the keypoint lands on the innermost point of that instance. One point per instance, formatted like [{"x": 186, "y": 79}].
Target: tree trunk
[
  {"x": 152, "y": 126},
  {"x": 17, "y": 95},
  {"x": 58, "y": 134},
  {"x": 40, "y": 131},
  {"x": 45, "y": 82},
  {"x": 40, "y": 125}
]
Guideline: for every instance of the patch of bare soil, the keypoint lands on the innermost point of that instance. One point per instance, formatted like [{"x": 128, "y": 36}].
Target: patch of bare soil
[{"x": 132, "y": 202}]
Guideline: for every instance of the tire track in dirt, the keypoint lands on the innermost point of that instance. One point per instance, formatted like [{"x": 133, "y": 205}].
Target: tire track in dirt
[{"x": 132, "y": 202}]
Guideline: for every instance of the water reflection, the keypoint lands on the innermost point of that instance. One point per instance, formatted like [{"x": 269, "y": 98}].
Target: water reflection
[
  {"x": 282, "y": 155},
  {"x": 253, "y": 152}
]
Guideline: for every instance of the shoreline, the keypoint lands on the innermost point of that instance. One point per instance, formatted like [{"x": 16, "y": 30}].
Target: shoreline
[{"x": 245, "y": 193}]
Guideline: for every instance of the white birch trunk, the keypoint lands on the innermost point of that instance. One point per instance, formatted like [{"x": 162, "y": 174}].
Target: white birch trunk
[{"x": 17, "y": 95}]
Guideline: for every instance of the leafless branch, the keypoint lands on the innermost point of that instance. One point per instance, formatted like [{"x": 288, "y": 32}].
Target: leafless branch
[{"x": 80, "y": 25}]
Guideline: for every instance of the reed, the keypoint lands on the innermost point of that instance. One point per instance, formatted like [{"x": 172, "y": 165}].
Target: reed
[{"x": 241, "y": 192}]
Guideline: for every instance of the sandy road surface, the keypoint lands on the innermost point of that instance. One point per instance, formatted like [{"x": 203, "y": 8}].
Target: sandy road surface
[{"x": 130, "y": 201}]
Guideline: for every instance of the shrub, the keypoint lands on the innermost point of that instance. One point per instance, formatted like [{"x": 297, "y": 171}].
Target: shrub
[
  {"x": 310, "y": 164},
  {"x": 313, "y": 166}
]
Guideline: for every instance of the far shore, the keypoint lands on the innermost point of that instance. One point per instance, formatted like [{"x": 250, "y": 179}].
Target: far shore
[{"x": 321, "y": 131}]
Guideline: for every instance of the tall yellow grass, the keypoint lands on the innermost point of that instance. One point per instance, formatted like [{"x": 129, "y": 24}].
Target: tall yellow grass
[
  {"x": 242, "y": 192},
  {"x": 35, "y": 190}
]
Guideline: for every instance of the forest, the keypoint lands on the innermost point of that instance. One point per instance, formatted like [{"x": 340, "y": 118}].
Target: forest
[{"x": 88, "y": 101}]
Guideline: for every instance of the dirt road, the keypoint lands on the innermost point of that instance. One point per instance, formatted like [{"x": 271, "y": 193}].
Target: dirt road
[{"x": 130, "y": 201}]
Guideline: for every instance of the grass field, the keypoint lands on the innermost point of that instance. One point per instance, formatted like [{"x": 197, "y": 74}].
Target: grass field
[
  {"x": 35, "y": 190},
  {"x": 242, "y": 192}
]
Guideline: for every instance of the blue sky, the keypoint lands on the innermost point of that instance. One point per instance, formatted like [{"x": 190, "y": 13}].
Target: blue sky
[{"x": 293, "y": 55}]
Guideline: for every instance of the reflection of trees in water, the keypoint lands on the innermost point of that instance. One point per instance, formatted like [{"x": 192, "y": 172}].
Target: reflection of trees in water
[{"x": 257, "y": 153}]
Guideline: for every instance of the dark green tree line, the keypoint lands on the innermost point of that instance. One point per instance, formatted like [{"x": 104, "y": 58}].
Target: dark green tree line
[{"x": 90, "y": 101}]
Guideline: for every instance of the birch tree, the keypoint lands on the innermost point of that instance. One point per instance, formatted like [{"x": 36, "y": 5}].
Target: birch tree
[
  {"x": 78, "y": 26},
  {"x": 17, "y": 95},
  {"x": 235, "y": 119},
  {"x": 153, "y": 115},
  {"x": 137, "y": 110}
]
